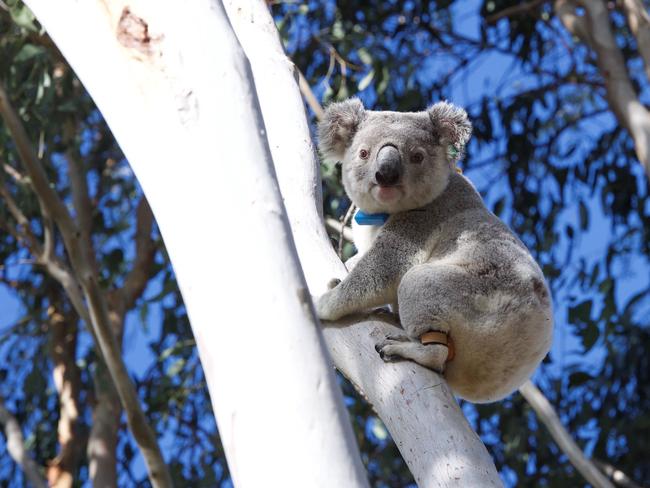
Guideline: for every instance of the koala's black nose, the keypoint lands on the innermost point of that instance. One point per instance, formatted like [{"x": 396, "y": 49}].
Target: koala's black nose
[{"x": 389, "y": 166}]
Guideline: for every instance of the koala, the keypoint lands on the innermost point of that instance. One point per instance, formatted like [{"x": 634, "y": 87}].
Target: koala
[{"x": 442, "y": 260}]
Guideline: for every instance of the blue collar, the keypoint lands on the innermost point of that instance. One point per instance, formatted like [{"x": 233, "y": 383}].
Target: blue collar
[{"x": 363, "y": 218}]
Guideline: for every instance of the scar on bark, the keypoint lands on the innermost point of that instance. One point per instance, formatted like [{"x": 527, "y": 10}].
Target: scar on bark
[{"x": 133, "y": 33}]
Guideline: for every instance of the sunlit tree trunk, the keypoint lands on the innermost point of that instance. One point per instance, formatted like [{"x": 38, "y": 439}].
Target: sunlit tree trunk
[{"x": 177, "y": 91}]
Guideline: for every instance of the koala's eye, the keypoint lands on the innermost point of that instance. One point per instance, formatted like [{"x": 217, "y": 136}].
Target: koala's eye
[
  {"x": 364, "y": 153},
  {"x": 417, "y": 157}
]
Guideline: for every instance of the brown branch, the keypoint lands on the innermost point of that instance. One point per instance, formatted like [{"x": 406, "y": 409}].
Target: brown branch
[
  {"x": 519, "y": 9},
  {"x": 80, "y": 198},
  {"x": 616, "y": 475},
  {"x": 44, "y": 253},
  {"x": 85, "y": 269},
  {"x": 594, "y": 29},
  {"x": 13, "y": 172},
  {"x": 145, "y": 252},
  {"x": 44, "y": 192},
  {"x": 16, "y": 448},
  {"x": 61, "y": 471},
  {"x": 308, "y": 95},
  {"x": 566, "y": 10},
  {"x": 638, "y": 20}
]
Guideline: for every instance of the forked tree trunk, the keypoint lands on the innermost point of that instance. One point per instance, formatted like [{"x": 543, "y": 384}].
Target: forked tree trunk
[
  {"x": 416, "y": 404},
  {"x": 177, "y": 92}
]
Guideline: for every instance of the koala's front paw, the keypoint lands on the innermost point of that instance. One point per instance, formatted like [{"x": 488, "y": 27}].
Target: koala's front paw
[{"x": 326, "y": 307}]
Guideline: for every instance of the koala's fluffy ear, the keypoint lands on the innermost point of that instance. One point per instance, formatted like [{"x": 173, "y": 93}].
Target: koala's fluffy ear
[
  {"x": 337, "y": 128},
  {"x": 452, "y": 125}
]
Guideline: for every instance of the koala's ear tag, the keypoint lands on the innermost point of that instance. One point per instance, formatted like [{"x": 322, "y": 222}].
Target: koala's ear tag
[{"x": 363, "y": 218}]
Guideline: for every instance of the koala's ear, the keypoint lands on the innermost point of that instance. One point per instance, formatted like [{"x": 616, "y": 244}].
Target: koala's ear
[
  {"x": 452, "y": 125},
  {"x": 338, "y": 125}
]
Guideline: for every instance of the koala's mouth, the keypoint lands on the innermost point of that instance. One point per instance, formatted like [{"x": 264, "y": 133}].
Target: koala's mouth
[{"x": 386, "y": 193}]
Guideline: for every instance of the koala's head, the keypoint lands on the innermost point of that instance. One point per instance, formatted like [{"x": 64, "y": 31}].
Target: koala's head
[{"x": 394, "y": 161}]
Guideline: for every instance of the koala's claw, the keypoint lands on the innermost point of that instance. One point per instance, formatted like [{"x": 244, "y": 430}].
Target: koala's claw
[
  {"x": 400, "y": 347},
  {"x": 333, "y": 283},
  {"x": 386, "y": 357},
  {"x": 385, "y": 347},
  {"x": 397, "y": 338}
]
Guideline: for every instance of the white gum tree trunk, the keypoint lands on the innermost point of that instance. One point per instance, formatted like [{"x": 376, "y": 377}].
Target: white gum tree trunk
[
  {"x": 176, "y": 89},
  {"x": 415, "y": 404}
]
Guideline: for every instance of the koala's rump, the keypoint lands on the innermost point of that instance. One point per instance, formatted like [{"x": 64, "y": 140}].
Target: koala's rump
[
  {"x": 498, "y": 313},
  {"x": 495, "y": 355}
]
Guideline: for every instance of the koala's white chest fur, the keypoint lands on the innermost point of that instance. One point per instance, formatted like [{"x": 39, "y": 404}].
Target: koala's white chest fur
[{"x": 364, "y": 236}]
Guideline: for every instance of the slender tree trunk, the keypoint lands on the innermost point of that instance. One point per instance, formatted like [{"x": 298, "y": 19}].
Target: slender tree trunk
[{"x": 188, "y": 120}]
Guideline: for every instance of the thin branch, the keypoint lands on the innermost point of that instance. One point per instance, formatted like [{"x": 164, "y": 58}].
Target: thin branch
[
  {"x": 519, "y": 9},
  {"x": 309, "y": 96},
  {"x": 616, "y": 475},
  {"x": 638, "y": 20},
  {"x": 343, "y": 226},
  {"x": 594, "y": 28},
  {"x": 16, "y": 448},
  {"x": 546, "y": 413},
  {"x": 566, "y": 10},
  {"x": 334, "y": 226},
  {"x": 13, "y": 172},
  {"x": 44, "y": 192},
  {"x": 85, "y": 268},
  {"x": 145, "y": 252}
]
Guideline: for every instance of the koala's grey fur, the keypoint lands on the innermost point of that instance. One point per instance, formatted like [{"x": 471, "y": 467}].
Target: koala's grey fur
[{"x": 442, "y": 260}]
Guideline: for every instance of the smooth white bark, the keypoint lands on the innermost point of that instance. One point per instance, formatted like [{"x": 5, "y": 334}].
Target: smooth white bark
[
  {"x": 176, "y": 90},
  {"x": 416, "y": 404}
]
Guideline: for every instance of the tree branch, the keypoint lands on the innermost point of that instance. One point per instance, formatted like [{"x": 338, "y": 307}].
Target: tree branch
[
  {"x": 85, "y": 269},
  {"x": 639, "y": 22},
  {"x": 518, "y": 9},
  {"x": 549, "y": 417},
  {"x": 61, "y": 471},
  {"x": 594, "y": 28},
  {"x": 16, "y": 448},
  {"x": 44, "y": 192},
  {"x": 145, "y": 252},
  {"x": 334, "y": 226},
  {"x": 80, "y": 198},
  {"x": 566, "y": 10},
  {"x": 308, "y": 94},
  {"x": 616, "y": 475}
]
